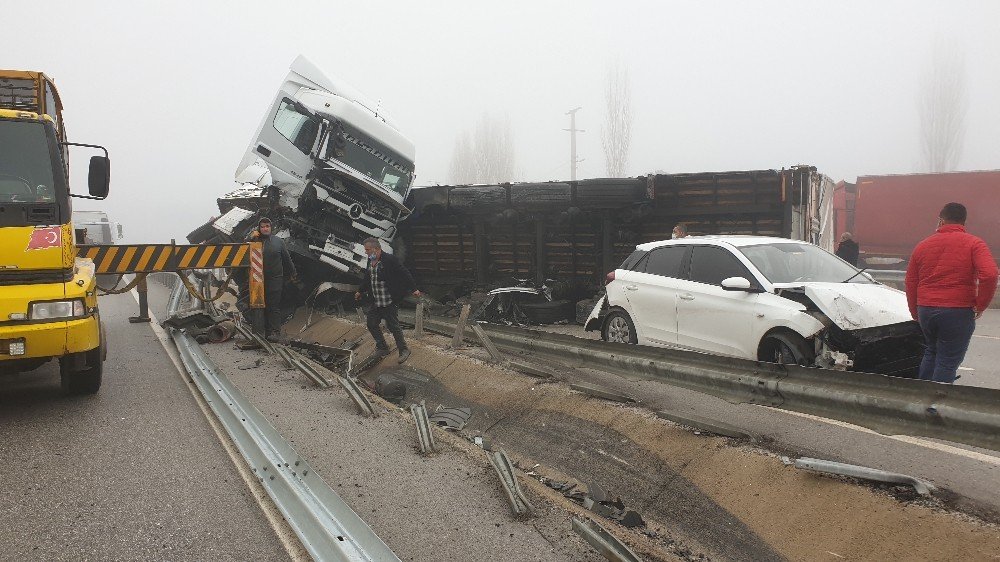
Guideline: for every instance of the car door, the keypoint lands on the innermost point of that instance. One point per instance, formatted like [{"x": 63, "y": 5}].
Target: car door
[
  {"x": 287, "y": 139},
  {"x": 710, "y": 318},
  {"x": 651, "y": 289}
]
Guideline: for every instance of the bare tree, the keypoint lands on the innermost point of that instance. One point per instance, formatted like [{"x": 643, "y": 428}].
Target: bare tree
[
  {"x": 943, "y": 106},
  {"x": 616, "y": 134},
  {"x": 486, "y": 155},
  {"x": 463, "y": 168}
]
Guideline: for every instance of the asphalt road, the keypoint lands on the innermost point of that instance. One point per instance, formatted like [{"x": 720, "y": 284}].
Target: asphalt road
[
  {"x": 133, "y": 472},
  {"x": 982, "y": 362}
]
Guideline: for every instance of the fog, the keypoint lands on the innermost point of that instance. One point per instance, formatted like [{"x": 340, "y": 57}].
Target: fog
[{"x": 175, "y": 90}]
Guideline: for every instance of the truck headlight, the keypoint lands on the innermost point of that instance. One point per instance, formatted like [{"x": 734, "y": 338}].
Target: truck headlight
[{"x": 57, "y": 309}]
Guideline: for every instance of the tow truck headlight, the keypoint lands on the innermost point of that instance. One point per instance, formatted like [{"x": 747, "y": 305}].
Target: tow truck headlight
[{"x": 57, "y": 309}]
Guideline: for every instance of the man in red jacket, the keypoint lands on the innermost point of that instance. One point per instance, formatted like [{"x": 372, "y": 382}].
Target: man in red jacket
[{"x": 949, "y": 283}]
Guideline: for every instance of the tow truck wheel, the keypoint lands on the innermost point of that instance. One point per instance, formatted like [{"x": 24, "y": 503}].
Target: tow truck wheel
[
  {"x": 787, "y": 349},
  {"x": 82, "y": 378},
  {"x": 619, "y": 328}
]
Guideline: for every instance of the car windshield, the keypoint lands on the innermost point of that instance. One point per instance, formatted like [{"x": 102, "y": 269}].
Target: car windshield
[
  {"x": 791, "y": 262},
  {"x": 26, "y": 167}
]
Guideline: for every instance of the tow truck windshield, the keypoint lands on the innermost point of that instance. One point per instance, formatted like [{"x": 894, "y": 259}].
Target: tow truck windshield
[{"x": 26, "y": 163}]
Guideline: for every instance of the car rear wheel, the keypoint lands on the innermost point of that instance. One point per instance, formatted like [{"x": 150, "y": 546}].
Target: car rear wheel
[
  {"x": 618, "y": 328},
  {"x": 787, "y": 349}
]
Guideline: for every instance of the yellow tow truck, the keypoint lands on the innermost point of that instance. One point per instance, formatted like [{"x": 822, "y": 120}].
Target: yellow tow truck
[{"x": 48, "y": 295}]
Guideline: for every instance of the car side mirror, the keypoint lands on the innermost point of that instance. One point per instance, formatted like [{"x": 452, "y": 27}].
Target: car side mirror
[
  {"x": 99, "y": 178},
  {"x": 737, "y": 284}
]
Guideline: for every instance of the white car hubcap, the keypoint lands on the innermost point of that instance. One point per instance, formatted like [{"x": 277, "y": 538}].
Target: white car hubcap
[{"x": 618, "y": 330}]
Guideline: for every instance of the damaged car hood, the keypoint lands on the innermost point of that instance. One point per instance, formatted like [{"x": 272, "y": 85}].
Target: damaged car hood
[{"x": 853, "y": 306}]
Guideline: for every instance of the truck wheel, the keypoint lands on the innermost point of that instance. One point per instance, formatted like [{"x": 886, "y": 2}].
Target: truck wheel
[
  {"x": 787, "y": 349},
  {"x": 85, "y": 380},
  {"x": 619, "y": 328}
]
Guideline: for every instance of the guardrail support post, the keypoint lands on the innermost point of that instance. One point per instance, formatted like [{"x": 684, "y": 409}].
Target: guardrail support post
[
  {"x": 459, "y": 338},
  {"x": 142, "y": 290},
  {"x": 418, "y": 321}
]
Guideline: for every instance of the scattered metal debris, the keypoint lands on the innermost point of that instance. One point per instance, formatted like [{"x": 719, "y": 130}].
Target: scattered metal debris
[
  {"x": 711, "y": 426},
  {"x": 425, "y": 435},
  {"x": 333, "y": 358},
  {"x": 600, "y": 392},
  {"x": 365, "y": 407},
  {"x": 194, "y": 322},
  {"x": 519, "y": 504},
  {"x": 605, "y": 543},
  {"x": 221, "y": 332},
  {"x": 922, "y": 487},
  {"x": 451, "y": 418}
]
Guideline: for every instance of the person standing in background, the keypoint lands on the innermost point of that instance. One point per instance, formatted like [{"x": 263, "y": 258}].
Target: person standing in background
[
  {"x": 848, "y": 250},
  {"x": 950, "y": 281}
]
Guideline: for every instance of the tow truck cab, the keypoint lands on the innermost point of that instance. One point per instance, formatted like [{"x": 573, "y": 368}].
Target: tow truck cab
[{"x": 48, "y": 299}]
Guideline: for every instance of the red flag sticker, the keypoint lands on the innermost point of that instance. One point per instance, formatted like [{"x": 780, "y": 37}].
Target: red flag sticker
[{"x": 45, "y": 237}]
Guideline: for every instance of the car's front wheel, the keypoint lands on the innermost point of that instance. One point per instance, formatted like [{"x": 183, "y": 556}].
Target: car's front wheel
[
  {"x": 619, "y": 328},
  {"x": 788, "y": 349}
]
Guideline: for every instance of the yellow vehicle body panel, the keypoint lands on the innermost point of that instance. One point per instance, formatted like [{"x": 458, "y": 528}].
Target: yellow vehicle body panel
[
  {"x": 54, "y": 339},
  {"x": 37, "y": 247},
  {"x": 58, "y": 337}
]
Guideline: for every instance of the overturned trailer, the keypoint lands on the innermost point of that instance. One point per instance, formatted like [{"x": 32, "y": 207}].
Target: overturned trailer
[
  {"x": 329, "y": 169},
  {"x": 484, "y": 235}
]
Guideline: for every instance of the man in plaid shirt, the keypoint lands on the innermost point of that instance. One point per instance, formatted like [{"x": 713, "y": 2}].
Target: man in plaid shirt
[{"x": 387, "y": 282}]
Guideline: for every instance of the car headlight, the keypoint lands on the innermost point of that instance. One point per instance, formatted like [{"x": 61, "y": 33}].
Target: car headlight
[{"x": 57, "y": 309}]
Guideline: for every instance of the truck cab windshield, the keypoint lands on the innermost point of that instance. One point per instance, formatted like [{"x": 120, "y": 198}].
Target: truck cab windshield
[
  {"x": 26, "y": 166},
  {"x": 370, "y": 162}
]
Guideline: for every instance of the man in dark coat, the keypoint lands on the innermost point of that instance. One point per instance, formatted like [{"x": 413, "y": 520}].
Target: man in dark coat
[
  {"x": 848, "y": 249},
  {"x": 277, "y": 262},
  {"x": 387, "y": 283}
]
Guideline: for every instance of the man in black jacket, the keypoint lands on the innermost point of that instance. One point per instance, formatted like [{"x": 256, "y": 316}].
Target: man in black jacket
[
  {"x": 848, "y": 249},
  {"x": 276, "y": 261},
  {"x": 387, "y": 282}
]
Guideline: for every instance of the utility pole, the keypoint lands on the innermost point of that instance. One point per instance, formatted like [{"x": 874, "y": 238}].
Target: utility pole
[{"x": 572, "y": 142}]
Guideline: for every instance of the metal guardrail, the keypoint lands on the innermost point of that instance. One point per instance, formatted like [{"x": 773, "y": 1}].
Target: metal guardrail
[
  {"x": 890, "y": 405},
  {"x": 327, "y": 527}
]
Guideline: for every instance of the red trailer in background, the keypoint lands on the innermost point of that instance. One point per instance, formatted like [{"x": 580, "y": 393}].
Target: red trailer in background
[{"x": 889, "y": 215}]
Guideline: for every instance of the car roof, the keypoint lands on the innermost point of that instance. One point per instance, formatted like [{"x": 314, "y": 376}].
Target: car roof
[{"x": 733, "y": 240}]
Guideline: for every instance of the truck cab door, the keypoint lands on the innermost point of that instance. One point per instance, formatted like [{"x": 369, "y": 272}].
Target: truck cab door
[{"x": 287, "y": 139}]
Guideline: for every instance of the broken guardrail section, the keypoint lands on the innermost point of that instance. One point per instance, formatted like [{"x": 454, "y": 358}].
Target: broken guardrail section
[
  {"x": 425, "y": 436},
  {"x": 519, "y": 503},
  {"x": 922, "y": 487},
  {"x": 364, "y": 405},
  {"x": 605, "y": 543}
]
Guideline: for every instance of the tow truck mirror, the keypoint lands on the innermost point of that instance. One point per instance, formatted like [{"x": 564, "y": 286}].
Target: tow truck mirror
[{"x": 99, "y": 178}]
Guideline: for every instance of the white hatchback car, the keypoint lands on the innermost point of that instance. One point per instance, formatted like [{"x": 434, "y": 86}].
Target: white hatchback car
[{"x": 768, "y": 299}]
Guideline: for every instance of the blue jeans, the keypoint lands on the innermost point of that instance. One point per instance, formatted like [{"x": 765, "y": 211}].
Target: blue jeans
[{"x": 947, "y": 332}]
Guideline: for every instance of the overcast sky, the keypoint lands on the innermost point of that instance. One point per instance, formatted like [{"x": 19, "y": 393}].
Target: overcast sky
[{"x": 176, "y": 89}]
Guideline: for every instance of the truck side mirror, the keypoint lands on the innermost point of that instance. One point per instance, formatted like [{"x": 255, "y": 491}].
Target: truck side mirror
[{"x": 99, "y": 178}]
